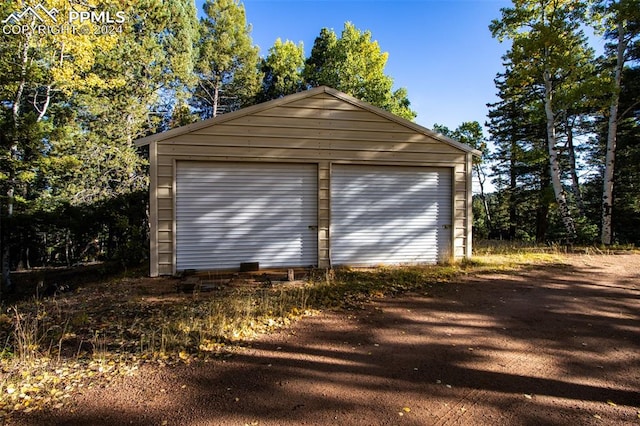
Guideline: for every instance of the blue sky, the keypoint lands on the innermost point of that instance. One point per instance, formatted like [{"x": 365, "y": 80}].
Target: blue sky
[{"x": 441, "y": 51}]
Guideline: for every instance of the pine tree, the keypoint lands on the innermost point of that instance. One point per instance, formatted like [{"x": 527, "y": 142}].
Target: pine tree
[
  {"x": 73, "y": 103},
  {"x": 227, "y": 67},
  {"x": 621, "y": 21},
  {"x": 470, "y": 133},
  {"x": 519, "y": 161},
  {"x": 548, "y": 50}
]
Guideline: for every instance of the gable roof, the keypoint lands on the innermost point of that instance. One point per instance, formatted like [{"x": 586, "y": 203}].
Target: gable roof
[{"x": 159, "y": 137}]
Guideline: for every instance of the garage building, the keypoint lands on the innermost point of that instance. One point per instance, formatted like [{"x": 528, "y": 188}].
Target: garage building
[{"x": 317, "y": 178}]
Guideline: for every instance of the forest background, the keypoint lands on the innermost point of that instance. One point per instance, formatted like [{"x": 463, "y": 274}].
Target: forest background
[{"x": 73, "y": 186}]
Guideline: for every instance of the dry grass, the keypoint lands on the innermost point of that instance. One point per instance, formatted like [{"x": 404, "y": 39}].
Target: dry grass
[{"x": 54, "y": 346}]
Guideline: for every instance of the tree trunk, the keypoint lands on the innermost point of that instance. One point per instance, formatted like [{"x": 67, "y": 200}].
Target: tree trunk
[
  {"x": 610, "y": 157},
  {"x": 67, "y": 248},
  {"x": 575, "y": 183},
  {"x": 45, "y": 105},
  {"x": 216, "y": 99},
  {"x": 542, "y": 209},
  {"x": 6, "y": 277},
  {"x": 23, "y": 78},
  {"x": 554, "y": 164},
  {"x": 15, "y": 112},
  {"x": 513, "y": 182},
  {"x": 6, "y": 252},
  {"x": 481, "y": 179}
]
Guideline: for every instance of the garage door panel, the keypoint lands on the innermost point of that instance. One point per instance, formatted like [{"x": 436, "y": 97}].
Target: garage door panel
[
  {"x": 389, "y": 215},
  {"x": 229, "y": 213}
]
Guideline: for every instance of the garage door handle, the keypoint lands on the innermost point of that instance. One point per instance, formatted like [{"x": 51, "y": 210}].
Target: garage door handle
[{"x": 313, "y": 227}]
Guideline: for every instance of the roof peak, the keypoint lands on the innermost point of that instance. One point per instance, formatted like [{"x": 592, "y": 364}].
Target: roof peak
[{"x": 159, "y": 137}]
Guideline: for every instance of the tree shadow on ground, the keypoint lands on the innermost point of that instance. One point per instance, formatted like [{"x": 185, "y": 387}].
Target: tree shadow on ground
[{"x": 549, "y": 345}]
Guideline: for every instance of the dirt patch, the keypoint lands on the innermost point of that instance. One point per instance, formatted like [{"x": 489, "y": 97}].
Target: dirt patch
[{"x": 556, "y": 344}]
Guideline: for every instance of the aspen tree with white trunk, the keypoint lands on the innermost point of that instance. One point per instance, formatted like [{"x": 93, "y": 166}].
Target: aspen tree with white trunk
[
  {"x": 621, "y": 21},
  {"x": 71, "y": 105},
  {"x": 554, "y": 163},
  {"x": 548, "y": 50}
]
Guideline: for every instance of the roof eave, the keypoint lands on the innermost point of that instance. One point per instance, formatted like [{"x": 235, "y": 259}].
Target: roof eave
[
  {"x": 403, "y": 122},
  {"x": 158, "y": 137}
]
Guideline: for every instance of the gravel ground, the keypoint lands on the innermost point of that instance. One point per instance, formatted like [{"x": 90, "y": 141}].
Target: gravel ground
[{"x": 554, "y": 345}]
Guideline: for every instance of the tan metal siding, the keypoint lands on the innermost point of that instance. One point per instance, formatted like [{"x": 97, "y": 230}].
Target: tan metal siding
[
  {"x": 324, "y": 206},
  {"x": 307, "y": 155},
  {"x": 319, "y": 130},
  {"x": 153, "y": 210},
  {"x": 165, "y": 224},
  {"x": 460, "y": 213},
  {"x": 468, "y": 240}
]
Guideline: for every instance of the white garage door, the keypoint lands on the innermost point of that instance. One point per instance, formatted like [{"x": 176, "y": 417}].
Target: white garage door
[
  {"x": 229, "y": 213},
  {"x": 389, "y": 215}
]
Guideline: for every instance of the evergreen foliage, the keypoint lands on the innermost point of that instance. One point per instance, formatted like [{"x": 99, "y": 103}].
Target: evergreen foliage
[
  {"x": 71, "y": 105},
  {"x": 228, "y": 78},
  {"x": 547, "y": 127},
  {"x": 564, "y": 130}
]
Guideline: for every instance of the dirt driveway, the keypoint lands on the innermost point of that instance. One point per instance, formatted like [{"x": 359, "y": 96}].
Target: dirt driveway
[{"x": 555, "y": 344}]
